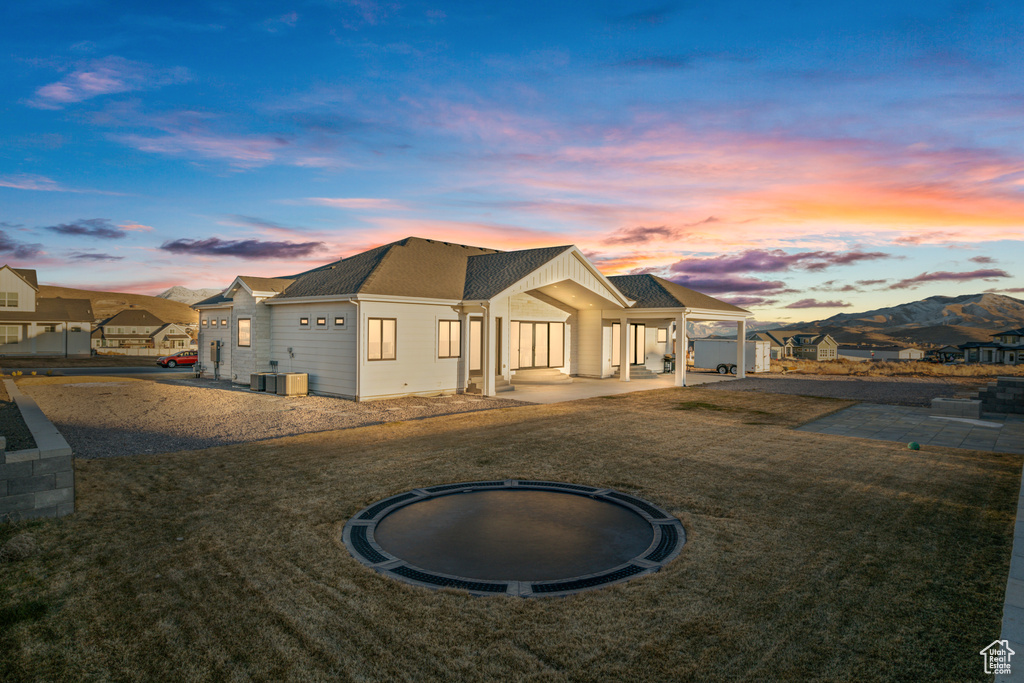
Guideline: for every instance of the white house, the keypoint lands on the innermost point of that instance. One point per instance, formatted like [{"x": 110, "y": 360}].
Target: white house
[
  {"x": 31, "y": 325},
  {"x": 422, "y": 317},
  {"x": 863, "y": 352},
  {"x": 138, "y": 331}
]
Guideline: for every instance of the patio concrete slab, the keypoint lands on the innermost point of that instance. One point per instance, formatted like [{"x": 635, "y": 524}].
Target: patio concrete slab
[
  {"x": 995, "y": 432},
  {"x": 585, "y": 387}
]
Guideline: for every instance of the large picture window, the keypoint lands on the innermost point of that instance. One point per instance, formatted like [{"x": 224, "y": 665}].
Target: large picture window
[
  {"x": 244, "y": 331},
  {"x": 449, "y": 339},
  {"x": 8, "y": 334},
  {"x": 380, "y": 338}
]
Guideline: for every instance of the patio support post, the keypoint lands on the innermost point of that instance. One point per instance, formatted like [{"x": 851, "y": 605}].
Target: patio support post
[
  {"x": 487, "y": 362},
  {"x": 681, "y": 349},
  {"x": 741, "y": 349},
  {"x": 624, "y": 334},
  {"x": 462, "y": 382}
]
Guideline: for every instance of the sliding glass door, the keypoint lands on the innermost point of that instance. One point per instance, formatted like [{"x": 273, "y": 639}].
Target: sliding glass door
[
  {"x": 536, "y": 345},
  {"x": 637, "y": 343}
]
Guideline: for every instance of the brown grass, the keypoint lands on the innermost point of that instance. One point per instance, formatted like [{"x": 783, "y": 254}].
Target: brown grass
[
  {"x": 808, "y": 557},
  {"x": 894, "y": 369}
]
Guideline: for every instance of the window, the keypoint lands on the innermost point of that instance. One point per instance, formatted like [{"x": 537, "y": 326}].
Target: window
[
  {"x": 304, "y": 322},
  {"x": 244, "y": 327},
  {"x": 9, "y": 299},
  {"x": 205, "y": 321},
  {"x": 213, "y": 322},
  {"x": 49, "y": 328},
  {"x": 339, "y": 322},
  {"x": 8, "y": 334},
  {"x": 380, "y": 337},
  {"x": 662, "y": 335},
  {"x": 223, "y": 322},
  {"x": 449, "y": 339},
  {"x": 321, "y": 322},
  {"x": 76, "y": 328}
]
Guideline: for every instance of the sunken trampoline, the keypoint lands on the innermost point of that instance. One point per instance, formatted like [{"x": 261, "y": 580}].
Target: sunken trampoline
[{"x": 514, "y": 537}]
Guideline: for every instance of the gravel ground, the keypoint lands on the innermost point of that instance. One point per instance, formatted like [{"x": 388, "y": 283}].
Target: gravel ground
[
  {"x": 900, "y": 391},
  {"x": 115, "y": 418}
]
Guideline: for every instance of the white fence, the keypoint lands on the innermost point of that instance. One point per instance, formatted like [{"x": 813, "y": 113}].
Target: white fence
[{"x": 154, "y": 353}]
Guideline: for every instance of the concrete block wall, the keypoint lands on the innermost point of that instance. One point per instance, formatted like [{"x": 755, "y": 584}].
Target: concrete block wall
[
  {"x": 36, "y": 482},
  {"x": 1005, "y": 395}
]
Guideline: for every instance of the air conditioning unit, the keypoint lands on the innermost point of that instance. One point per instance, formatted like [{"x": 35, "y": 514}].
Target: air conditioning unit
[
  {"x": 258, "y": 381},
  {"x": 292, "y": 384},
  {"x": 270, "y": 382}
]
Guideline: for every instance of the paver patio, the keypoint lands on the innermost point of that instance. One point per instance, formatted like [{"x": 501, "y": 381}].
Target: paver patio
[{"x": 997, "y": 433}]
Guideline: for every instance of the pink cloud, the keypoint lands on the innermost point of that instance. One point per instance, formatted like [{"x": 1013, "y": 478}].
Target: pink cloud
[
  {"x": 105, "y": 76},
  {"x": 354, "y": 202},
  {"x": 241, "y": 151}
]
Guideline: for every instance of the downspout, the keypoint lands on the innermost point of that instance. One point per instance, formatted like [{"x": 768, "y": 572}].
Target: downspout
[{"x": 359, "y": 350}]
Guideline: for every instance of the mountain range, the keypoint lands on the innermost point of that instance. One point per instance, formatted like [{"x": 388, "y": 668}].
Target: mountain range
[
  {"x": 936, "y": 320},
  {"x": 186, "y": 295}
]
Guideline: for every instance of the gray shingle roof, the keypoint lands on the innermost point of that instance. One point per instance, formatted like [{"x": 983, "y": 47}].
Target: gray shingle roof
[
  {"x": 490, "y": 274},
  {"x": 215, "y": 299},
  {"x": 137, "y": 316},
  {"x": 53, "y": 309},
  {"x": 410, "y": 267},
  {"x": 651, "y": 291}
]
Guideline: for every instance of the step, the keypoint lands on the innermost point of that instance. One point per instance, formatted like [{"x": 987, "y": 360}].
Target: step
[{"x": 541, "y": 376}]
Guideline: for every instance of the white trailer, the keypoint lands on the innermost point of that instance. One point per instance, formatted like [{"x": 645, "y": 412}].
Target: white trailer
[{"x": 720, "y": 355}]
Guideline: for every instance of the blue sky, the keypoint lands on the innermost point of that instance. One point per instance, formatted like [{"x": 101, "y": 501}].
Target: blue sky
[{"x": 801, "y": 159}]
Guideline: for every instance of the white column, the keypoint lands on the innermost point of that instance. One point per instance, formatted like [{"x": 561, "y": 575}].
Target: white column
[
  {"x": 741, "y": 348},
  {"x": 624, "y": 334},
  {"x": 487, "y": 362},
  {"x": 681, "y": 345},
  {"x": 463, "y": 379}
]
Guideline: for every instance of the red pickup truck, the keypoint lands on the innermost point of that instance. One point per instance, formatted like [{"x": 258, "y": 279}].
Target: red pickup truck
[{"x": 180, "y": 358}]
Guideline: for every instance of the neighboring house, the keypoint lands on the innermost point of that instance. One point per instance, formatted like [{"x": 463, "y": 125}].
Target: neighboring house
[
  {"x": 948, "y": 353},
  {"x": 1006, "y": 348},
  {"x": 799, "y": 345},
  {"x": 40, "y": 326},
  {"x": 864, "y": 352},
  {"x": 138, "y": 330},
  {"x": 420, "y": 317}
]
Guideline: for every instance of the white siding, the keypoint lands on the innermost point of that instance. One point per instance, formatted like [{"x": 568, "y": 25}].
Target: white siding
[
  {"x": 11, "y": 282},
  {"x": 221, "y": 333},
  {"x": 567, "y": 266},
  {"x": 416, "y": 368},
  {"x": 590, "y": 348},
  {"x": 327, "y": 353}
]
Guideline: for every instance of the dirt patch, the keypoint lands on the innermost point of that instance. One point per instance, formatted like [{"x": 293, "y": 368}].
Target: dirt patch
[
  {"x": 104, "y": 417},
  {"x": 903, "y": 391}
]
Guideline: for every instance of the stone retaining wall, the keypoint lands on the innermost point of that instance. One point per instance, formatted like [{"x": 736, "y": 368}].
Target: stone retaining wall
[
  {"x": 1005, "y": 395},
  {"x": 36, "y": 482}
]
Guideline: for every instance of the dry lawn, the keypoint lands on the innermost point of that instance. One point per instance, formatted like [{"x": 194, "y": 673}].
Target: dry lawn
[
  {"x": 809, "y": 556},
  {"x": 895, "y": 369}
]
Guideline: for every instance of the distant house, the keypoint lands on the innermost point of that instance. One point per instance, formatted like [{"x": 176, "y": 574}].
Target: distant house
[
  {"x": 1006, "y": 348},
  {"x": 799, "y": 345},
  {"x": 866, "y": 352},
  {"x": 139, "y": 331},
  {"x": 423, "y": 317},
  {"x": 40, "y": 326},
  {"x": 948, "y": 353}
]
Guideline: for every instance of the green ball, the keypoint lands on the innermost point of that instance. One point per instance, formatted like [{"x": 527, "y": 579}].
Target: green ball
[{"x": 914, "y": 446}]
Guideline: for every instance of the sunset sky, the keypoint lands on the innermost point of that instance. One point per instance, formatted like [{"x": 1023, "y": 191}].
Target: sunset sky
[{"x": 800, "y": 159}]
